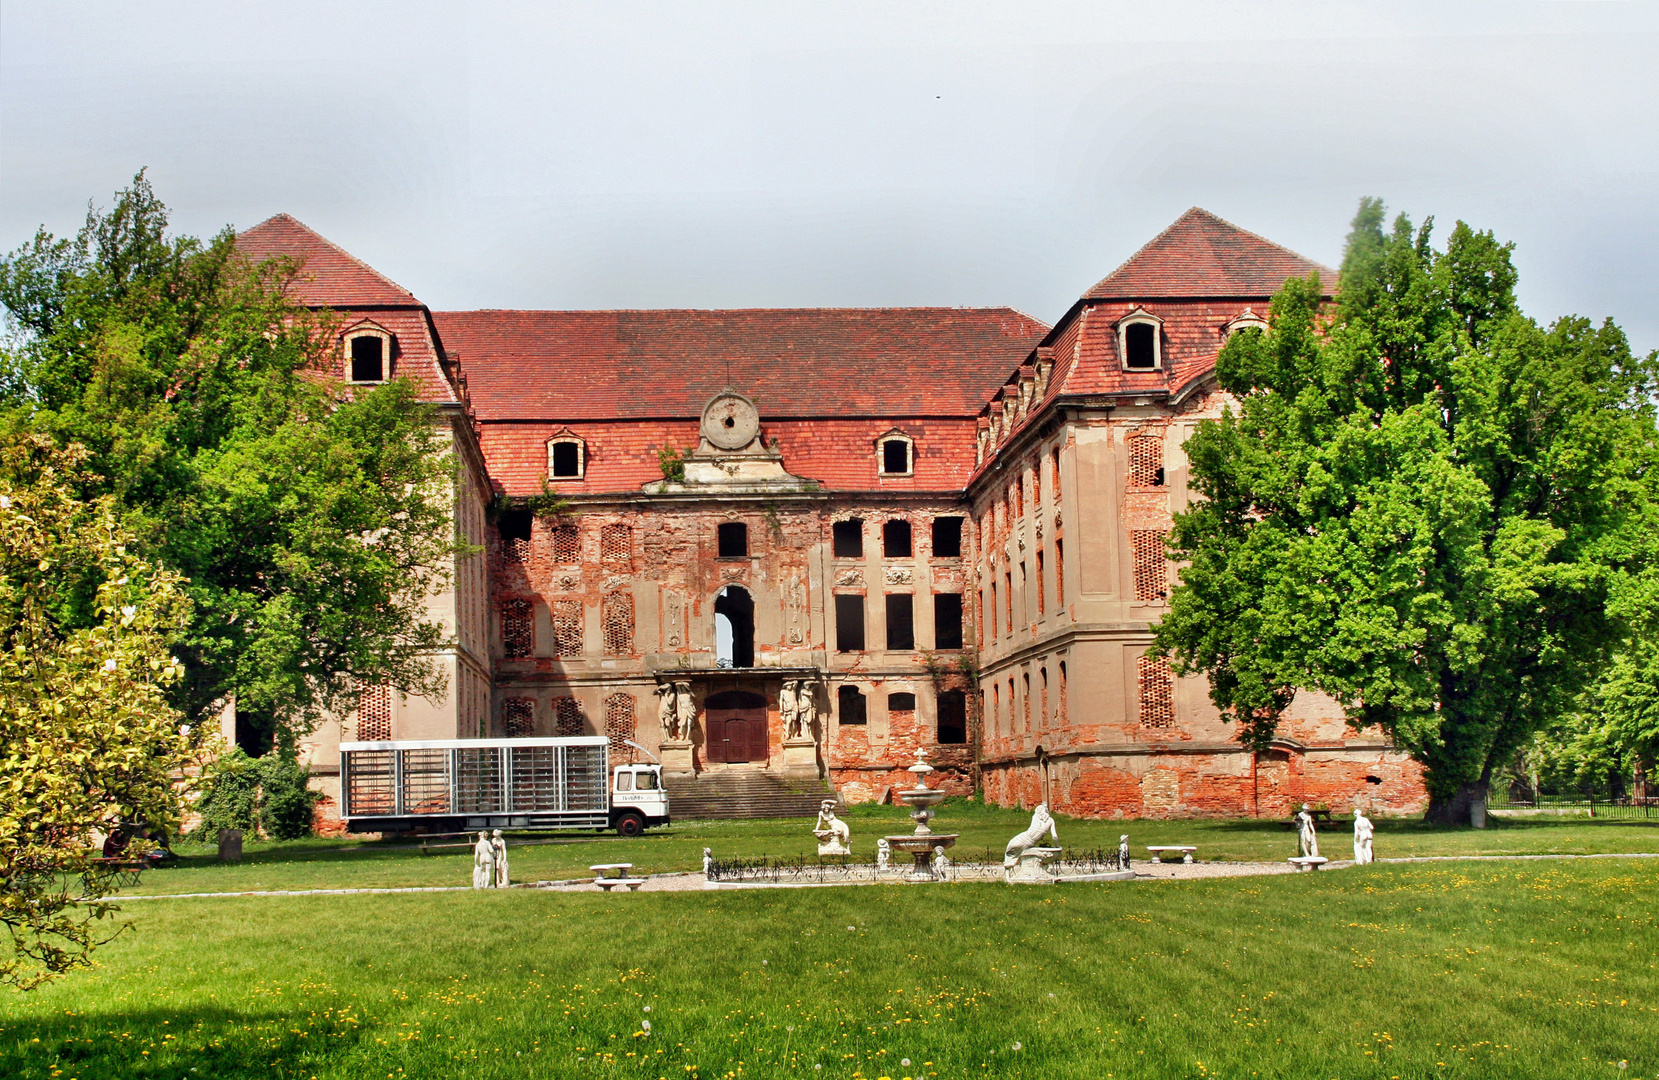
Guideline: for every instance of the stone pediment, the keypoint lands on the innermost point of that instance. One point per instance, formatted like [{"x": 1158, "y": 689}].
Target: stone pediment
[{"x": 732, "y": 456}]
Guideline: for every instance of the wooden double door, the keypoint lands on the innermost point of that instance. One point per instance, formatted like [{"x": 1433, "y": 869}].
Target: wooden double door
[{"x": 734, "y": 723}]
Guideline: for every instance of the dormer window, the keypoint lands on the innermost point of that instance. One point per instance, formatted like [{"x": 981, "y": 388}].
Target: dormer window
[
  {"x": 1140, "y": 341},
  {"x": 896, "y": 454},
  {"x": 1244, "y": 320},
  {"x": 368, "y": 355},
  {"x": 567, "y": 458}
]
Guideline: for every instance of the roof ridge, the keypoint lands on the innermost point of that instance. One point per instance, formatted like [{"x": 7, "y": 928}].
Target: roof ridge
[
  {"x": 741, "y": 310},
  {"x": 290, "y": 219},
  {"x": 1195, "y": 226}
]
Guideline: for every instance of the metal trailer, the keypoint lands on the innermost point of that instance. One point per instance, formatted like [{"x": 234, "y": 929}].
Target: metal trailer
[{"x": 462, "y": 785}]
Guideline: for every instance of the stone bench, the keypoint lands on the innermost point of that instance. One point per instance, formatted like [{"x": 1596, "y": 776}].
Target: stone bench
[
  {"x": 1304, "y": 863},
  {"x": 608, "y": 880},
  {"x": 1158, "y": 851}
]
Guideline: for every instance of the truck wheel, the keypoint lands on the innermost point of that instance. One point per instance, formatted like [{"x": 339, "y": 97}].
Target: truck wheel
[{"x": 629, "y": 825}]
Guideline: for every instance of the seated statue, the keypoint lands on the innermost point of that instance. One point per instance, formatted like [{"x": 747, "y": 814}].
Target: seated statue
[
  {"x": 1041, "y": 822},
  {"x": 834, "y": 837}
]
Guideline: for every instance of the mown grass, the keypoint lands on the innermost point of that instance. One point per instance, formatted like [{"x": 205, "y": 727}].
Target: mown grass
[
  {"x": 1501, "y": 970},
  {"x": 334, "y": 864}
]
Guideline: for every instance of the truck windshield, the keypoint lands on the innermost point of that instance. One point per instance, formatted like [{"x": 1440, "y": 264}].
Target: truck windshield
[{"x": 647, "y": 781}]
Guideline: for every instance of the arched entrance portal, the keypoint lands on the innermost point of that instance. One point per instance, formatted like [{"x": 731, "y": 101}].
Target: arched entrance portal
[
  {"x": 734, "y": 628},
  {"x": 734, "y": 722}
]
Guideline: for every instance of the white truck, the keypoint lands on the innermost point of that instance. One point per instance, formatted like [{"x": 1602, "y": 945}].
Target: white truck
[{"x": 463, "y": 785}]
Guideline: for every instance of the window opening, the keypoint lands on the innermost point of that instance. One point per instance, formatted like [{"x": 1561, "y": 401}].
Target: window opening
[
  {"x": 1140, "y": 347},
  {"x": 1040, "y": 589},
  {"x": 616, "y": 547},
  {"x": 374, "y": 713},
  {"x": 947, "y": 538},
  {"x": 1025, "y": 680},
  {"x": 567, "y": 714},
  {"x": 849, "y": 538},
  {"x": 564, "y": 460},
  {"x": 947, "y": 620},
  {"x": 616, "y": 619},
  {"x": 619, "y": 727},
  {"x": 851, "y": 705},
  {"x": 1042, "y": 702},
  {"x": 1059, "y": 574},
  {"x": 567, "y": 627},
  {"x": 518, "y": 629},
  {"x": 849, "y": 623},
  {"x": 1147, "y": 549},
  {"x": 514, "y": 527},
  {"x": 734, "y": 628},
  {"x": 733, "y": 539},
  {"x": 1054, "y": 476},
  {"x": 1146, "y": 461},
  {"x": 992, "y": 621},
  {"x": 1062, "y": 713},
  {"x": 901, "y": 627},
  {"x": 1157, "y": 693},
  {"x": 368, "y": 358},
  {"x": 624, "y": 781},
  {"x": 953, "y": 717},
  {"x": 518, "y": 717},
  {"x": 1008, "y": 598},
  {"x": 567, "y": 545},
  {"x": 895, "y": 539},
  {"x": 895, "y": 456}
]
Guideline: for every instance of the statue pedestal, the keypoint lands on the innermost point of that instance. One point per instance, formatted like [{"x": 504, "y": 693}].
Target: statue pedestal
[
  {"x": 800, "y": 758},
  {"x": 676, "y": 757},
  {"x": 1031, "y": 869}
]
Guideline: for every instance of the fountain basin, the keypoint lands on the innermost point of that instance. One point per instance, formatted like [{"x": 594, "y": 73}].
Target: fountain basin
[{"x": 920, "y": 846}]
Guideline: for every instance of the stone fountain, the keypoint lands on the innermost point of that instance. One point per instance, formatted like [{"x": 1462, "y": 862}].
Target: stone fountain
[{"x": 921, "y": 799}]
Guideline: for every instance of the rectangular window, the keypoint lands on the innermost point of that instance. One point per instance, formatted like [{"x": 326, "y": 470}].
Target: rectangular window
[
  {"x": 953, "y": 717},
  {"x": 567, "y": 627},
  {"x": 947, "y": 620},
  {"x": 1059, "y": 575},
  {"x": 1040, "y": 589},
  {"x": 947, "y": 538},
  {"x": 1037, "y": 484},
  {"x": 616, "y": 620},
  {"x": 564, "y": 460},
  {"x": 518, "y": 717},
  {"x": 616, "y": 547},
  {"x": 1008, "y": 599},
  {"x": 567, "y": 545},
  {"x": 1157, "y": 693},
  {"x": 895, "y": 457},
  {"x": 1054, "y": 476},
  {"x": 849, "y": 623},
  {"x": 567, "y": 718},
  {"x": 991, "y": 620},
  {"x": 514, "y": 527},
  {"x": 368, "y": 359},
  {"x": 1146, "y": 461},
  {"x": 901, "y": 628},
  {"x": 1025, "y": 595},
  {"x": 518, "y": 629},
  {"x": 733, "y": 537},
  {"x": 851, "y": 705},
  {"x": 1147, "y": 548},
  {"x": 895, "y": 540},
  {"x": 849, "y": 539}
]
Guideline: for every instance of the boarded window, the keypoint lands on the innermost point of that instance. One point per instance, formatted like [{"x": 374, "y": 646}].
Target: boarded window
[
  {"x": 1140, "y": 346},
  {"x": 895, "y": 456},
  {"x": 947, "y": 620},
  {"x": 1059, "y": 573},
  {"x": 619, "y": 726},
  {"x": 368, "y": 359},
  {"x": 564, "y": 460},
  {"x": 567, "y": 545},
  {"x": 849, "y": 623},
  {"x": 518, "y": 629},
  {"x": 849, "y": 539},
  {"x": 733, "y": 539},
  {"x": 1042, "y": 700},
  {"x": 901, "y": 621},
  {"x": 947, "y": 538},
  {"x": 895, "y": 540},
  {"x": 851, "y": 705},
  {"x": 616, "y": 547},
  {"x": 518, "y": 717},
  {"x": 1040, "y": 590},
  {"x": 616, "y": 617},
  {"x": 1054, "y": 475},
  {"x": 567, "y": 628},
  {"x": 953, "y": 717},
  {"x": 567, "y": 717},
  {"x": 1157, "y": 693},
  {"x": 1061, "y": 715},
  {"x": 1008, "y": 598},
  {"x": 1147, "y": 548},
  {"x": 514, "y": 526},
  {"x": 901, "y": 713},
  {"x": 374, "y": 713},
  {"x": 1037, "y": 484},
  {"x": 992, "y": 620},
  {"x": 1025, "y": 681},
  {"x": 1146, "y": 461}
]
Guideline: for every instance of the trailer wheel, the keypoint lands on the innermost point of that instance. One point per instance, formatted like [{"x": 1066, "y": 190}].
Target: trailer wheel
[{"x": 629, "y": 824}]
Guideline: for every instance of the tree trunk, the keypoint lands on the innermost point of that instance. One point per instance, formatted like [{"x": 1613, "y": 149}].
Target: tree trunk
[{"x": 1459, "y": 809}]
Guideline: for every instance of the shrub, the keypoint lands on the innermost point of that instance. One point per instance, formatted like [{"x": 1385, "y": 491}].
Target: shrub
[{"x": 268, "y": 795}]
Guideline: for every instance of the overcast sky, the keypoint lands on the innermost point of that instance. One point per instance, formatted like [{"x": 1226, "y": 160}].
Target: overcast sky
[{"x": 730, "y": 155}]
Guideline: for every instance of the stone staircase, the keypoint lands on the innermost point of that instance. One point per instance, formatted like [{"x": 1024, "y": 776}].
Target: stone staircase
[{"x": 743, "y": 793}]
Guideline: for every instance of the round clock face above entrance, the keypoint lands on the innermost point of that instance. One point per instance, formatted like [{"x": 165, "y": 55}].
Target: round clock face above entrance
[{"x": 730, "y": 421}]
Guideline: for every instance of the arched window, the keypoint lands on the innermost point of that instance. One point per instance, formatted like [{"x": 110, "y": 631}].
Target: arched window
[
  {"x": 734, "y": 628},
  {"x": 368, "y": 354},
  {"x": 567, "y": 457},
  {"x": 1140, "y": 341},
  {"x": 850, "y": 704},
  {"x": 896, "y": 454}
]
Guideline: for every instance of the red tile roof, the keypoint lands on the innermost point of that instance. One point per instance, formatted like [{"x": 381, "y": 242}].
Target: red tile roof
[
  {"x": 813, "y": 362},
  {"x": 1202, "y": 255},
  {"x": 329, "y": 276}
]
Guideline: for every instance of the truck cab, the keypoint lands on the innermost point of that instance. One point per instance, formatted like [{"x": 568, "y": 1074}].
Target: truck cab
[{"x": 637, "y": 799}]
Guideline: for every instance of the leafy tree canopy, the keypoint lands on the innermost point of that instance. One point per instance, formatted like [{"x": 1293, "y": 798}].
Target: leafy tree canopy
[
  {"x": 1425, "y": 506},
  {"x": 309, "y": 518},
  {"x": 88, "y": 740}
]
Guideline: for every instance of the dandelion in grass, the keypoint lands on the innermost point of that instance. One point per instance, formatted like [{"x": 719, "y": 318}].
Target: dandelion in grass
[
  {"x": 645, "y": 1026},
  {"x": 905, "y": 1062},
  {"x": 1017, "y": 1046}
]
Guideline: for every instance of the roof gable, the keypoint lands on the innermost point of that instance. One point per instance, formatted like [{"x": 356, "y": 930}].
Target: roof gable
[
  {"x": 329, "y": 275},
  {"x": 1201, "y": 255}
]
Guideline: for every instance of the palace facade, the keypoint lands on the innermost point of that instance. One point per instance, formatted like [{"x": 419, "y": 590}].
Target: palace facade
[{"x": 802, "y": 543}]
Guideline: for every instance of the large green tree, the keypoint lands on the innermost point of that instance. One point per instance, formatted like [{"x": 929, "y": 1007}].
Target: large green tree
[
  {"x": 1422, "y": 506},
  {"x": 310, "y": 518}
]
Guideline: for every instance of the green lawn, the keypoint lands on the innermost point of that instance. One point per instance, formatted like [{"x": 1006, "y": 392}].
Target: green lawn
[
  {"x": 1476, "y": 970},
  {"x": 331, "y": 864}
]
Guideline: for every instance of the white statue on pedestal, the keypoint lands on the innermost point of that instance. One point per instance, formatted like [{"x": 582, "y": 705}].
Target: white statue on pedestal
[
  {"x": 1123, "y": 851},
  {"x": 708, "y": 861},
  {"x": 499, "y": 847},
  {"x": 941, "y": 863},
  {"x": 667, "y": 716},
  {"x": 483, "y": 863},
  {"x": 1307, "y": 844},
  {"x": 884, "y": 855},
  {"x": 1363, "y": 831},
  {"x": 834, "y": 837},
  {"x": 685, "y": 710},
  {"x": 1041, "y": 823},
  {"x": 787, "y": 710},
  {"x": 806, "y": 710}
]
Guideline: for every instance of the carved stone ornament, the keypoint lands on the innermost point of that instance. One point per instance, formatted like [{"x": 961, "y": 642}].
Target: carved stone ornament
[
  {"x": 615, "y": 581},
  {"x": 730, "y": 421},
  {"x": 565, "y": 581},
  {"x": 849, "y": 578},
  {"x": 898, "y": 575}
]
